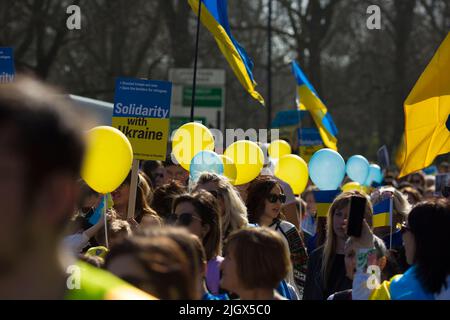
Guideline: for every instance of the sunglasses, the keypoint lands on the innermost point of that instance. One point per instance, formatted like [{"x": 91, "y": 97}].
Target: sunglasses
[
  {"x": 273, "y": 198},
  {"x": 183, "y": 219}
]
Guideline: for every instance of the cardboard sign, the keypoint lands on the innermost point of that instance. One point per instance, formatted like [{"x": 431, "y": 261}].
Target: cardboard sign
[{"x": 142, "y": 113}]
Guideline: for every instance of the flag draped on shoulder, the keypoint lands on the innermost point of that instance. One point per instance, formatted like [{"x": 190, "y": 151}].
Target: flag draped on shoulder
[
  {"x": 427, "y": 113},
  {"x": 214, "y": 17},
  {"x": 308, "y": 99},
  {"x": 382, "y": 214}
]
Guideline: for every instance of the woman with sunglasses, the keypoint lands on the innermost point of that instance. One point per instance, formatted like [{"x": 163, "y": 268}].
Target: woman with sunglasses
[
  {"x": 199, "y": 213},
  {"x": 426, "y": 238},
  {"x": 264, "y": 201}
]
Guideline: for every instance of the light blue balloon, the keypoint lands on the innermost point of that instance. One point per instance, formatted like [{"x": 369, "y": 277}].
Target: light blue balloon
[
  {"x": 205, "y": 161},
  {"x": 375, "y": 175},
  {"x": 327, "y": 169},
  {"x": 357, "y": 168}
]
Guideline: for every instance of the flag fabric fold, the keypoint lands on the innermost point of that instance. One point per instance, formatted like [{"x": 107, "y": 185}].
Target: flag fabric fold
[
  {"x": 427, "y": 113},
  {"x": 308, "y": 99},
  {"x": 214, "y": 17}
]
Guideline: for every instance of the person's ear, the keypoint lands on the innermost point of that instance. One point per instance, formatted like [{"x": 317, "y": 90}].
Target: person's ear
[{"x": 382, "y": 263}]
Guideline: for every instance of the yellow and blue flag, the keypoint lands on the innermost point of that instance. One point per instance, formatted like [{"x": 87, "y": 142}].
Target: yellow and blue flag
[
  {"x": 308, "y": 99},
  {"x": 324, "y": 199},
  {"x": 382, "y": 214},
  {"x": 214, "y": 17},
  {"x": 427, "y": 113}
]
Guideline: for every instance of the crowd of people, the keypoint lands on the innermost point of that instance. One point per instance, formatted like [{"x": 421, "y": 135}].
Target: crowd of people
[{"x": 198, "y": 240}]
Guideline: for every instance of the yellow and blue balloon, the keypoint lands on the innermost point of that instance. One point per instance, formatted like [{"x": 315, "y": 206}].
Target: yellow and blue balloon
[
  {"x": 327, "y": 169},
  {"x": 375, "y": 175},
  {"x": 294, "y": 171},
  {"x": 357, "y": 168},
  {"x": 248, "y": 158},
  {"x": 189, "y": 140},
  {"x": 107, "y": 160},
  {"x": 205, "y": 161}
]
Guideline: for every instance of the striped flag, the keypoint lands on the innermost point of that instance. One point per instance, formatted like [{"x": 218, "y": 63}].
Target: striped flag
[
  {"x": 324, "y": 199},
  {"x": 382, "y": 214}
]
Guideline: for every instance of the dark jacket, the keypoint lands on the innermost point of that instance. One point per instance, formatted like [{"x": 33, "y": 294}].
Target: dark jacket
[{"x": 314, "y": 286}]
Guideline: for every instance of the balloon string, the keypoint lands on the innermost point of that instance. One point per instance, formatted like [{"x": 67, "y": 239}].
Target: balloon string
[{"x": 105, "y": 207}]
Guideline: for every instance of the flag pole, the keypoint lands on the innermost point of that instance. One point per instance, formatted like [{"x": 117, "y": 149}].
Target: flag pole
[
  {"x": 391, "y": 204},
  {"x": 194, "y": 81},
  {"x": 269, "y": 67}
]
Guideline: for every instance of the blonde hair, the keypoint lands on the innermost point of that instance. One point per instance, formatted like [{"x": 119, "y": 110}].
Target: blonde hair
[
  {"x": 235, "y": 216},
  {"x": 329, "y": 247}
]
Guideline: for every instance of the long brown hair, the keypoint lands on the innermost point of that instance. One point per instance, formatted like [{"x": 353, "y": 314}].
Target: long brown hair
[
  {"x": 143, "y": 195},
  {"x": 329, "y": 248}
]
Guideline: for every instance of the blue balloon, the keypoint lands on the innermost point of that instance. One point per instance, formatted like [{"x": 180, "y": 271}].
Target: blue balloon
[
  {"x": 205, "y": 161},
  {"x": 375, "y": 175},
  {"x": 357, "y": 168},
  {"x": 327, "y": 169}
]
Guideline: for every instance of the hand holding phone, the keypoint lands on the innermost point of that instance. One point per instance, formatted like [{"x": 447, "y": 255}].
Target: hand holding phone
[{"x": 356, "y": 216}]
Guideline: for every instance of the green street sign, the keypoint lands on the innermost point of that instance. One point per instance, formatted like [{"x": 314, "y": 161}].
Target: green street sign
[{"x": 206, "y": 97}]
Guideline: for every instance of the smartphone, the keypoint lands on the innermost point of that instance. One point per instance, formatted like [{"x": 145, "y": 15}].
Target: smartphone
[{"x": 356, "y": 216}]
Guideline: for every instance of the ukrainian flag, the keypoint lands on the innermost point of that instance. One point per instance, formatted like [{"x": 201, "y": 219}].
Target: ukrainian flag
[
  {"x": 427, "y": 113},
  {"x": 308, "y": 99},
  {"x": 324, "y": 199},
  {"x": 382, "y": 214},
  {"x": 214, "y": 17}
]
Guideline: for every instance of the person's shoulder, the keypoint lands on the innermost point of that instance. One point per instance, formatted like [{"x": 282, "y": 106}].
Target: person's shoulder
[{"x": 286, "y": 225}]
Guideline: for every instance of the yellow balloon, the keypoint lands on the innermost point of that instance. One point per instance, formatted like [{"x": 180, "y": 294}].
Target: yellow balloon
[
  {"x": 190, "y": 139},
  {"x": 279, "y": 148},
  {"x": 108, "y": 159},
  {"x": 229, "y": 168},
  {"x": 351, "y": 186},
  {"x": 294, "y": 171},
  {"x": 248, "y": 158}
]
